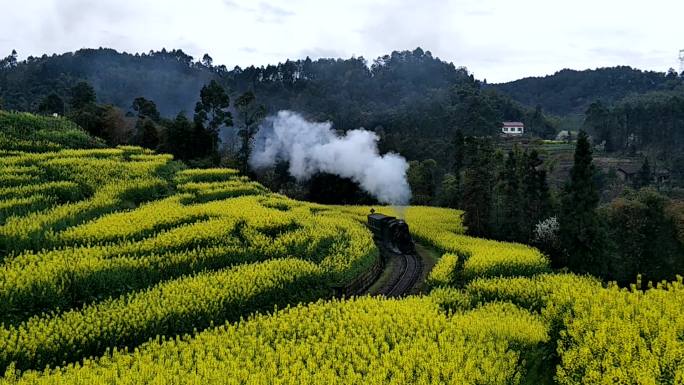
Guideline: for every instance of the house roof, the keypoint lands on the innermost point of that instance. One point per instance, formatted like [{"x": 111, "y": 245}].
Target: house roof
[{"x": 513, "y": 124}]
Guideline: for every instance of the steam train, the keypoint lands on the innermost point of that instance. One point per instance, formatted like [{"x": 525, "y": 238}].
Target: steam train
[{"x": 392, "y": 232}]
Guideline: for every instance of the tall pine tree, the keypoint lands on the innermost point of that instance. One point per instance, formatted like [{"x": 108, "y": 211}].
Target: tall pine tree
[
  {"x": 580, "y": 228},
  {"x": 536, "y": 198},
  {"x": 644, "y": 176},
  {"x": 511, "y": 198},
  {"x": 478, "y": 182},
  {"x": 450, "y": 191}
]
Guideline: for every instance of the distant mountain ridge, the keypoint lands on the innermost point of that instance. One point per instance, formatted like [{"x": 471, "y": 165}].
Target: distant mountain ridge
[
  {"x": 572, "y": 91},
  {"x": 173, "y": 79}
]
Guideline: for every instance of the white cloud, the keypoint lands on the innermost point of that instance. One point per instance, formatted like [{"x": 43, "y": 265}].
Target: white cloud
[{"x": 496, "y": 39}]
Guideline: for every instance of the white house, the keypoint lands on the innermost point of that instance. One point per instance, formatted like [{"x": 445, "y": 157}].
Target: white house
[{"x": 513, "y": 128}]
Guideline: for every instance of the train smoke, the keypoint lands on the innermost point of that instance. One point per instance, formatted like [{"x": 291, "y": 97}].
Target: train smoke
[{"x": 312, "y": 147}]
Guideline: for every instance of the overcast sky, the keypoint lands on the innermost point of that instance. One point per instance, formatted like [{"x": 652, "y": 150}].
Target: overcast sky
[{"x": 499, "y": 40}]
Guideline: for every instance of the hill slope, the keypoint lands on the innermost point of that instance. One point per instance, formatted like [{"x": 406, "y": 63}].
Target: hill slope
[
  {"x": 170, "y": 78},
  {"x": 571, "y": 92},
  {"x": 411, "y": 99}
]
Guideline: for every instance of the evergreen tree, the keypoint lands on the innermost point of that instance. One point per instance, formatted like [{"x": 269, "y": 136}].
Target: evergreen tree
[
  {"x": 645, "y": 238},
  {"x": 84, "y": 111},
  {"x": 598, "y": 122},
  {"x": 510, "y": 228},
  {"x": 207, "y": 61},
  {"x": 539, "y": 125},
  {"x": 145, "y": 109},
  {"x": 10, "y": 61},
  {"x": 147, "y": 134},
  {"x": 478, "y": 181},
  {"x": 51, "y": 104},
  {"x": 580, "y": 228},
  {"x": 459, "y": 152},
  {"x": 450, "y": 189},
  {"x": 535, "y": 197},
  {"x": 211, "y": 113},
  {"x": 82, "y": 96},
  {"x": 149, "y": 137},
  {"x": 179, "y": 137},
  {"x": 422, "y": 179},
  {"x": 251, "y": 113},
  {"x": 644, "y": 176}
]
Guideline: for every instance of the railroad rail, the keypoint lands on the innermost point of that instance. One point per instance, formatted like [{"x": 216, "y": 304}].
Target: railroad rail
[
  {"x": 398, "y": 267},
  {"x": 405, "y": 269}
]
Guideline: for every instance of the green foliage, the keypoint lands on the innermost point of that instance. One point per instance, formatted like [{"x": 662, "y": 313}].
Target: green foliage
[
  {"x": 599, "y": 122},
  {"x": 521, "y": 198},
  {"x": 184, "y": 139},
  {"x": 52, "y": 104},
  {"x": 148, "y": 136},
  {"x": 511, "y": 203},
  {"x": 478, "y": 183},
  {"x": 251, "y": 114},
  {"x": 644, "y": 177},
  {"x": 145, "y": 108},
  {"x": 449, "y": 193},
  {"x": 414, "y": 99},
  {"x": 167, "y": 77},
  {"x": 34, "y": 133},
  {"x": 82, "y": 95},
  {"x": 422, "y": 178},
  {"x": 474, "y": 112},
  {"x": 644, "y": 239},
  {"x": 571, "y": 92},
  {"x": 536, "y": 200},
  {"x": 211, "y": 112},
  {"x": 650, "y": 123},
  {"x": 581, "y": 232}
]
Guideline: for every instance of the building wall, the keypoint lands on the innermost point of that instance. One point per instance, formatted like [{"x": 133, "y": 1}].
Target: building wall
[{"x": 517, "y": 130}]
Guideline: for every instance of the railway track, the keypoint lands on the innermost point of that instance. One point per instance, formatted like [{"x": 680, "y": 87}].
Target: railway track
[{"x": 405, "y": 269}]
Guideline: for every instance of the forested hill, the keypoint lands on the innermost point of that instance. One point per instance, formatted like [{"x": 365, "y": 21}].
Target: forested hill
[
  {"x": 413, "y": 100},
  {"x": 173, "y": 79},
  {"x": 170, "y": 78},
  {"x": 571, "y": 92}
]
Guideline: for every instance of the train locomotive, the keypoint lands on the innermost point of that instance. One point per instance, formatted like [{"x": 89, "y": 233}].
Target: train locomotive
[{"x": 392, "y": 232}]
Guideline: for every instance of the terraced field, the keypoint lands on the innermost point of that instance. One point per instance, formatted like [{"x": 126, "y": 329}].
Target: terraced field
[{"x": 122, "y": 266}]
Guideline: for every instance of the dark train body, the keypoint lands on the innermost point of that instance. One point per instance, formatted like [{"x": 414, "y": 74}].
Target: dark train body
[{"x": 393, "y": 232}]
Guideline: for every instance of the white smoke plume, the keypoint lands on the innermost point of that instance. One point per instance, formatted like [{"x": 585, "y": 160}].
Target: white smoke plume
[{"x": 312, "y": 147}]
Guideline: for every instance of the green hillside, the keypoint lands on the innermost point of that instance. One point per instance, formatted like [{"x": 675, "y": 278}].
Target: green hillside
[
  {"x": 571, "y": 91},
  {"x": 34, "y": 133},
  {"x": 121, "y": 265}
]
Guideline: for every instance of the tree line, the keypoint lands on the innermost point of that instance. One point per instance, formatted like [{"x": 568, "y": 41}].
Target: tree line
[
  {"x": 195, "y": 140},
  {"x": 507, "y": 198},
  {"x": 650, "y": 124},
  {"x": 413, "y": 100},
  {"x": 569, "y": 91}
]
